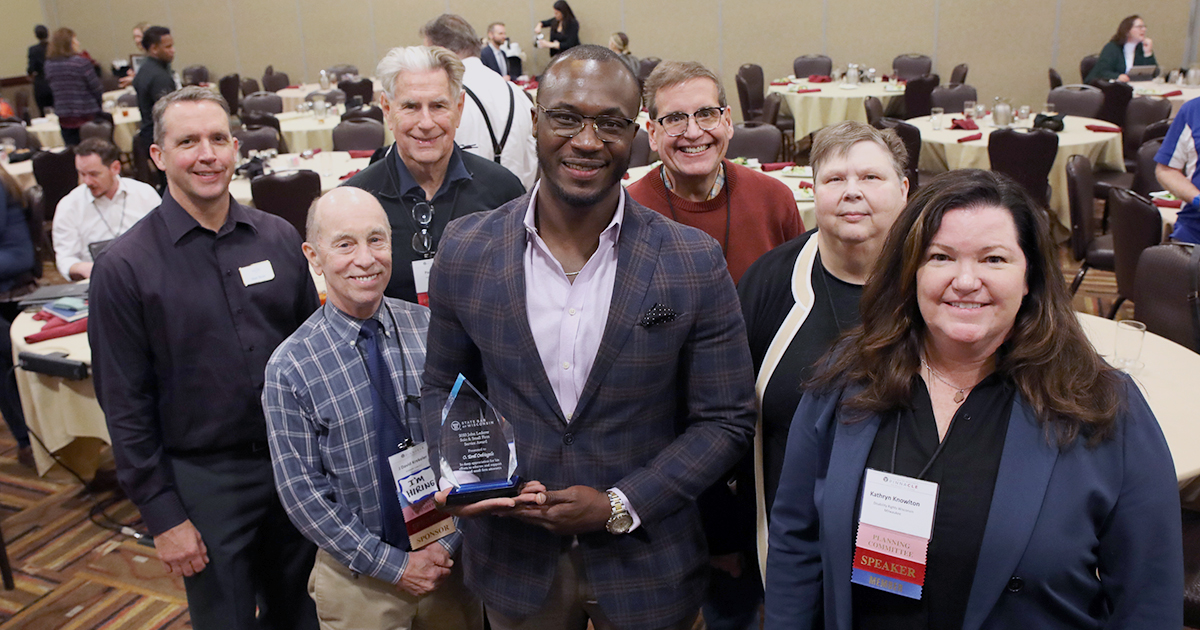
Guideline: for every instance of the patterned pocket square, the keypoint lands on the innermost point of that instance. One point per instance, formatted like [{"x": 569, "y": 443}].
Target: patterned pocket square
[{"x": 658, "y": 314}]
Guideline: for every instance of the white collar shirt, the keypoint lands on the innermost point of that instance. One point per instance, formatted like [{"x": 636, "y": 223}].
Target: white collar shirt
[
  {"x": 82, "y": 219},
  {"x": 519, "y": 154}
]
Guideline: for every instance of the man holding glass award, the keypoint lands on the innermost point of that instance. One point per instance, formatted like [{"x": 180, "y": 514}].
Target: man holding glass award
[
  {"x": 610, "y": 340},
  {"x": 343, "y": 418}
]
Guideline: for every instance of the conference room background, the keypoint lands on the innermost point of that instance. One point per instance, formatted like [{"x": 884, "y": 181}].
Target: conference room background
[{"x": 1008, "y": 45}]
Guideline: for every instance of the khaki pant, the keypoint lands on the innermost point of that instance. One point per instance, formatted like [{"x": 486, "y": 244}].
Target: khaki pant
[{"x": 346, "y": 602}]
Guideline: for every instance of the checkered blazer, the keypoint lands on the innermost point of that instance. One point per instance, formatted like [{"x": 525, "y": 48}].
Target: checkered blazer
[{"x": 668, "y": 407}]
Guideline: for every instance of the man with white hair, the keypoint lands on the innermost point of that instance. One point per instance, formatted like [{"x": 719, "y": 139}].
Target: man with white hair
[
  {"x": 425, "y": 180},
  {"x": 497, "y": 121}
]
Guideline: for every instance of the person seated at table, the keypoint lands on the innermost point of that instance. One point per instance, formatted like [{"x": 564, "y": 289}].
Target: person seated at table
[
  {"x": 971, "y": 378},
  {"x": 619, "y": 43},
  {"x": 102, "y": 207},
  {"x": 72, "y": 78},
  {"x": 564, "y": 29},
  {"x": 425, "y": 180},
  {"x": 1129, "y": 47},
  {"x": 1176, "y": 170},
  {"x": 690, "y": 127},
  {"x": 16, "y": 261}
]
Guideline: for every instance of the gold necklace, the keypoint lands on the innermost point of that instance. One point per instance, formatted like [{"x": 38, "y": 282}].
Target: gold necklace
[{"x": 960, "y": 394}]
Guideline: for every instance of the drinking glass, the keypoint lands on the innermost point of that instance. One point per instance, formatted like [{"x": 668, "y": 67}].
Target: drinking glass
[
  {"x": 1049, "y": 109},
  {"x": 968, "y": 109},
  {"x": 1023, "y": 113},
  {"x": 935, "y": 117},
  {"x": 980, "y": 111},
  {"x": 1130, "y": 334}
]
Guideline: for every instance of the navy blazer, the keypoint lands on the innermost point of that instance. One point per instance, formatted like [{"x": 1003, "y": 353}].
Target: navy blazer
[
  {"x": 667, "y": 408},
  {"x": 1075, "y": 538},
  {"x": 489, "y": 59}
]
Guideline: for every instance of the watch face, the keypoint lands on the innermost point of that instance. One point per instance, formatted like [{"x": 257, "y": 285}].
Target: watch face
[{"x": 620, "y": 523}]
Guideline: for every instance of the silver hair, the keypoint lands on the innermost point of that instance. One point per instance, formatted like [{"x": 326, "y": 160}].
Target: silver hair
[{"x": 419, "y": 59}]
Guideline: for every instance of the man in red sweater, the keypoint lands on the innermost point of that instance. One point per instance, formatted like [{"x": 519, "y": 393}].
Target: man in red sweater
[{"x": 690, "y": 127}]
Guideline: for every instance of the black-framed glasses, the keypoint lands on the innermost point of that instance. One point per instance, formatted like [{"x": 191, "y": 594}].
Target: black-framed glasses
[
  {"x": 707, "y": 119},
  {"x": 568, "y": 124},
  {"x": 422, "y": 241}
]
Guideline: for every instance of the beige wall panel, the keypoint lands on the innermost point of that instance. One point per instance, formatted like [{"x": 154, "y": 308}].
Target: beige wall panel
[
  {"x": 204, "y": 35},
  {"x": 676, "y": 30},
  {"x": 514, "y": 14},
  {"x": 396, "y": 24},
  {"x": 268, "y": 34},
  {"x": 1008, "y": 51},
  {"x": 872, "y": 33},
  {"x": 16, "y": 34},
  {"x": 92, "y": 25},
  {"x": 336, "y": 33},
  {"x": 794, "y": 29},
  {"x": 1166, "y": 24}
]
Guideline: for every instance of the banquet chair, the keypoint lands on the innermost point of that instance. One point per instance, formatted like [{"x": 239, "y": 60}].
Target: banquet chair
[
  {"x": 1055, "y": 79},
  {"x": 35, "y": 218},
  {"x": 98, "y": 128},
  {"x": 1088, "y": 249},
  {"x": 128, "y": 99},
  {"x": 755, "y": 140},
  {"x": 1156, "y": 129},
  {"x": 256, "y": 119},
  {"x": 874, "y": 109},
  {"x": 362, "y": 87},
  {"x": 1026, "y": 157},
  {"x": 21, "y": 105},
  {"x": 958, "y": 75},
  {"x": 645, "y": 67},
  {"x": 249, "y": 86},
  {"x": 366, "y": 111},
  {"x": 287, "y": 195},
  {"x": 256, "y": 139},
  {"x": 918, "y": 95},
  {"x": 275, "y": 81},
  {"x": 750, "y": 91},
  {"x": 269, "y": 102},
  {"x": 1164, "y": 282},
  {"x": 55, "y": 173},
  {"x": 195, "y": 75},
  {"x": 1144, "y": 179},
  {"x": 20, "y": 135},
  {"x": 951, "y": 97},
  {"x": 808, "y": 65},
  {"x": 228, "y": 86},
  {"x": 341, "y": 71},
  {"x": 911, "y": 137},
  {"x": 333, "y": 96},
  {"x": 1140, "y": 114},
  {"x": 358, "y": 134},
  {"x": 1076, "y": 100},
  {"x": 1136, "y": 226},
  {"x": 910, "y": 66},
  {"x": 771, "y": 106},
  {"x": 1116, "y": 100},
  {"x": 1085, "y": 66},
  {"x": 640, "y": 155}
]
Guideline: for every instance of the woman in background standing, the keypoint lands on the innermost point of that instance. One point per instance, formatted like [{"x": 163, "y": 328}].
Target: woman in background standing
[
  {"x": 564, "y": 29},
  {"x": 619, "y": 43},
  {"x": 72, "y": 77}
]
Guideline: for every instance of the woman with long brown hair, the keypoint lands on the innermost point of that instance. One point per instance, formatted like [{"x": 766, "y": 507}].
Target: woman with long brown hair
[
  {"x": 1127, "y": 48},
  {"x": 16, "y": 263},
  {"x": 1045, "y": 493},
  {"x": 72, "y": 77}
]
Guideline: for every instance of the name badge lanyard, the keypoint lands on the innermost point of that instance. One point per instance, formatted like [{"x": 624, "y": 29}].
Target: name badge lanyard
[
  {"x": 936, "y": 452},
  {"x": 400, "y": 418}
]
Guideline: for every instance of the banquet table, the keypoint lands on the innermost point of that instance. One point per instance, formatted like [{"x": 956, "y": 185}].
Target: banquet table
[
  {"x": 294, "y": 96},
  {"x": 128, "y": 120},
  {"x": 941, "y": 151},
  {"x": 307, "y": 131},
  {"x": 804, "y": 197},
  {"x": 833, "y": 104},
  {"x": 331, "y": 165},
  {"x": 1150, "y": 88},
  {"x": 23, "y": 173},
  {"x": 1166, "y": 378}
]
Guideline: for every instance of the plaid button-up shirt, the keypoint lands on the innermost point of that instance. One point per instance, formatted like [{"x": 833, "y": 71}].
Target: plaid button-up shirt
[{"x": 321, "y": 427}]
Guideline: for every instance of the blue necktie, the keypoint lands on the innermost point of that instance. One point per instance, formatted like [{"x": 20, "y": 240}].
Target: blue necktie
[{"x": 390, "y": 431}]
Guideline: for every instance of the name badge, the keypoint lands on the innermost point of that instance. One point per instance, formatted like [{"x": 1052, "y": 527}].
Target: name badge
[
  {"x": 261, "y": 271},
  {"x": 415, "y": 486},
  {"x": 421, "y": 270},
  {"x": 894, "y": 528}
]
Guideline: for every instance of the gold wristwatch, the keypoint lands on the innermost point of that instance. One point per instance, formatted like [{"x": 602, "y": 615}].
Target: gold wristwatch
[{"x": 620, "y": 521}]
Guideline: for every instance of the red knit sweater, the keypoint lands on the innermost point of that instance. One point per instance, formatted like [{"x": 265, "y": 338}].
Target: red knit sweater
[{"x": 763, "y": 213}]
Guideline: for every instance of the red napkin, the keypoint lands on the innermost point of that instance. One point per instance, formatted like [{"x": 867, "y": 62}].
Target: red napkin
[
  {"x": 781, "y": 83},
  {"x": 803, "y": 184},
  {"x": 293, "y": 87},
  {"x": 776, "y": 166},
  {"x": 625, "y": 176},
  {"x": 819, "y": 78},
  {"x": 1168, "y": 203},
  {"x": 964, "y": 123},
  {"x": 808, "y": 91},
  {"x": 1105, "y": 128},
  {"x": 360, "y": 153},
  {"x": 57, "y": 327},
  {"x": 1172, "y": 93},
  {"x": 974, "y": 136},
  {"x": 350, "y": 174}
]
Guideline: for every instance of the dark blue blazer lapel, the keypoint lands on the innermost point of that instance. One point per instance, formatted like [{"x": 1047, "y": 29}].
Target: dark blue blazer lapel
[
  {"x": 509, "y": 264},
  {"x": 847, "y": 461},
  {"x": 1025, "y": 469},
  {"x": 637, "y": 257}
]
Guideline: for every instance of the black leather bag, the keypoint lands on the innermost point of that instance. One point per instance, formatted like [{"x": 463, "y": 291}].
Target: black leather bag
[{"x": 1053, "y": 122}]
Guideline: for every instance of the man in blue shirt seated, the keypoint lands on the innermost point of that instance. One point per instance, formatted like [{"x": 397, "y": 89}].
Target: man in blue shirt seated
[
  {"x": 1177, "y": 171},
  {"x": 329, "y": 422}
]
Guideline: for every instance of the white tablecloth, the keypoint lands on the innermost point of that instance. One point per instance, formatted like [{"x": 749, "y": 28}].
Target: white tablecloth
[
  {"x": 804, "y": 200},
  {"x": 128, "y": 120},
  {"x": 1150, "y": 88},
  {"x": 306, "y": 131},
  {"x": 941, "y": 151},
  {"x": 294, "y": 96},
  {"x": 23, "y": 173},
  {"x": 331, "y": 165},
  {"x": 833, "y": 104}
]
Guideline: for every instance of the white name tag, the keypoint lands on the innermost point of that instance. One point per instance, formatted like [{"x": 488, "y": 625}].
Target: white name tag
[
  {"x": 258, "y": 272},
  {"x": 421, "y": 269},
  {"x": 899, "y": 503},
  {"x": 413, "y": 475}
]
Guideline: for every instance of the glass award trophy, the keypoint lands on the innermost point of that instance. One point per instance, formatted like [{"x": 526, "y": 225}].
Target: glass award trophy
[{"x": 477, "y": 453}]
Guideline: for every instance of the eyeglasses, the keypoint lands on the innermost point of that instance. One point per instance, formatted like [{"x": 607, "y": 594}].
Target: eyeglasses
[
  {"x": 422, "y": 242},
  {"x": 707, "y": 119},
  {"x": 567, "y": 124}
]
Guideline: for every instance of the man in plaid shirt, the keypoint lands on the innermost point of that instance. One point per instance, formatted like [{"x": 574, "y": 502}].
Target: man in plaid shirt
[{"x": 321, "y": 421}]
